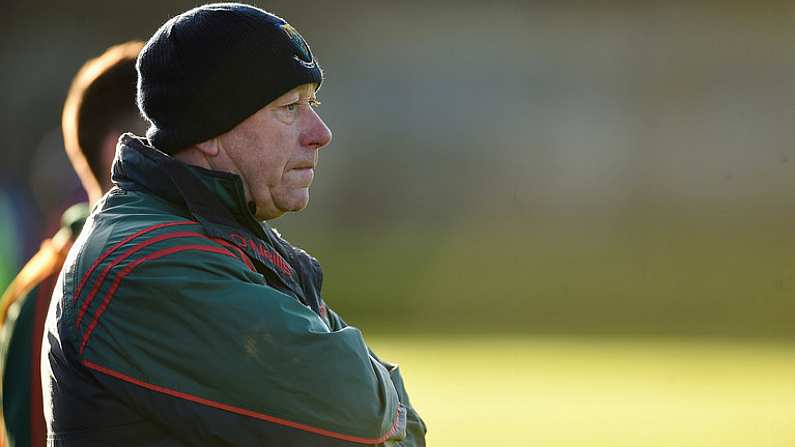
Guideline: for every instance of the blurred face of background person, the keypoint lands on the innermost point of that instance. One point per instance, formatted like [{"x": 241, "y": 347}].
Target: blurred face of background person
[
  {"x": 274, "y": 151},
  {"x": 99, "y": 107}
]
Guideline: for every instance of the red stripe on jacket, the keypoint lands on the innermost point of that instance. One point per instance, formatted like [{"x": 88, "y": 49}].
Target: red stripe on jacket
[
  {"x": 241, "y": 254},
  {"x": 132, "y": 250},
  {"x": 244, "y": 412},
  {"x": 129, "y": 268},
  {"x": 115, "y": 247}
]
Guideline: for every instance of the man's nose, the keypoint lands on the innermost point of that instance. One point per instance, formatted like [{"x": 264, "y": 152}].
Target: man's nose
[{"x": 317, "y": 135}]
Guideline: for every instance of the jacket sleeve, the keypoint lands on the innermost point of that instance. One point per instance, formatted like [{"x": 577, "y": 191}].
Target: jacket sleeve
[
  {"x": 415, "y": 426},
  {"x": 209, "y": 351}
]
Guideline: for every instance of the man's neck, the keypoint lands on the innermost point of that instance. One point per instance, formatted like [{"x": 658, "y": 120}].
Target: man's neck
[{"x": 193, "y": 156}]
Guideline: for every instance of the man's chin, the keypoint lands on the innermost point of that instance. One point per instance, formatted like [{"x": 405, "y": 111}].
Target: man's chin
[{"x": 295, "y": 203}]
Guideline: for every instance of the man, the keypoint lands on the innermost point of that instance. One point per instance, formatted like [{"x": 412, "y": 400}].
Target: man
[
  {"x": 100, "y": 104},
  {"x": 182, "y": 318}
]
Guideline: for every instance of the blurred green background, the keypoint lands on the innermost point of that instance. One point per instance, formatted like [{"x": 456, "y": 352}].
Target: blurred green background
[{"x": 571, "y": 222}]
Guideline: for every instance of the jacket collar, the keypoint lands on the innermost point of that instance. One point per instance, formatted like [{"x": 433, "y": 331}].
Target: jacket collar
[
  {"x": 212, "y": 196},
  {"x": 215, "y": 199},
  {"x": 140, "y": 166}
]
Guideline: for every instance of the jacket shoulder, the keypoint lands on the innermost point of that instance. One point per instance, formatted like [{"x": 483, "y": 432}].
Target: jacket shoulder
[{"x": 124, "y": 232}]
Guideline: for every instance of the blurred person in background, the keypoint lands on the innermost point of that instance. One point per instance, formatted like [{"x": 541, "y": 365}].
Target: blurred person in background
[
  {"x": 184, "y": 318},
  {"x": 99, "y": 106}
]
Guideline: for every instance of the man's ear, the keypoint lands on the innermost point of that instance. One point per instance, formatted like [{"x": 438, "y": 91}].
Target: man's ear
[{"x": 209, "y": 148}]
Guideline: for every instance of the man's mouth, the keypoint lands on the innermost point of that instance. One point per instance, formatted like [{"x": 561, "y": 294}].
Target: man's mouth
[
  {"x": 303, "y": 174},
  {"x": 304, "y": 166}
]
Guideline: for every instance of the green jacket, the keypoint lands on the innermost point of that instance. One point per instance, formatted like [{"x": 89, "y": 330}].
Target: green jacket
[{"x": 181, "y": 320}]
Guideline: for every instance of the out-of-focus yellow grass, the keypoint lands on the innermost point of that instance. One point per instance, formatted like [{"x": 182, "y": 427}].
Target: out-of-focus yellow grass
[{"x": 549, "y": 392}]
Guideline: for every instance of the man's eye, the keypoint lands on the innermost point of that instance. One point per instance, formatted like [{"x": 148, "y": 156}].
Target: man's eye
[{"x": 294, "y": 106}]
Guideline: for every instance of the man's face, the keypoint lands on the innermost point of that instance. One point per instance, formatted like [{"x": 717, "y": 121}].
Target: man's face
[{"x": 275, "y": 152}]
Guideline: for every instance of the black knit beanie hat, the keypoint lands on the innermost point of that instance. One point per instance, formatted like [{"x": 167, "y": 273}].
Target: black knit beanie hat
[{"x": 208, "y": 69}]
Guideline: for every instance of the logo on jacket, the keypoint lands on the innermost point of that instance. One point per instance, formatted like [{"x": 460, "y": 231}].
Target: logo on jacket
[
  {"x": 303, "y": 55},
  {"x": 259, "y": 251}
]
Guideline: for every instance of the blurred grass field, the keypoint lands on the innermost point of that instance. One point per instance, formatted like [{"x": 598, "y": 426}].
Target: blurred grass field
[
  {"x": 611, "y": 392},
  {"x": 653, "y": 327},
  {"x": 723, "y": 275}
]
